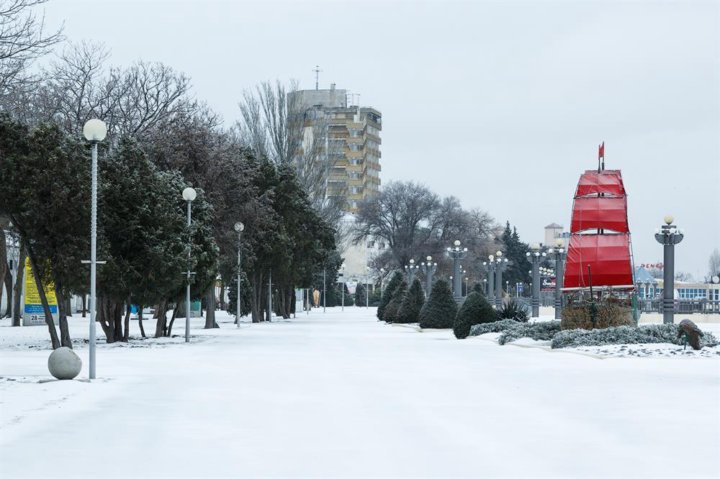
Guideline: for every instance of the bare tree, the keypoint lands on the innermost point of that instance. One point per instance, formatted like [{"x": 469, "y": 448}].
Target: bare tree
[
  {"x": 23, "y": 38},
  {"x": 714, "y": 263}
]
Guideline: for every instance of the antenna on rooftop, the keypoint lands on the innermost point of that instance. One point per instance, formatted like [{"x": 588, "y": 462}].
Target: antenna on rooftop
[{"x": 317, "y": 71}]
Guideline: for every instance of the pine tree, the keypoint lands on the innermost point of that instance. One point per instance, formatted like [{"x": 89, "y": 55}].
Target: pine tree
[
  {"x": 360, "y": 298},
  {"x": 391, "y": 310},
  {"x": 409, "y": 311},
  {"x": 388, "y": 293},
  {"x": 475, "y": 310},
  {"x": 440, "y": 309}
]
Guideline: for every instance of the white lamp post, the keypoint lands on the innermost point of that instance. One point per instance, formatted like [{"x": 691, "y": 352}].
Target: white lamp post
[
  {"x": 239, "y": 227},
  {"x": 343, "y": 288},
  {"x": 94, "y": 131},
  {"x": 189, "y": 195}
]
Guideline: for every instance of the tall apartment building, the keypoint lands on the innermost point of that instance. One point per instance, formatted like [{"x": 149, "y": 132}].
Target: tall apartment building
[{"x": 352, "y": 141}]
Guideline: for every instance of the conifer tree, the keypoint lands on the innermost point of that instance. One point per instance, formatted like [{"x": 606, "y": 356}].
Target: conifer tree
[
  {"x": 360, "y": 297},
  {"x": 391, "y": 310},
  {"x": 440, "y": 310},
  {"x": 475, "y": 310},
  {"x": 388, "y": 293},
  {"x": 409, "y": 311}
]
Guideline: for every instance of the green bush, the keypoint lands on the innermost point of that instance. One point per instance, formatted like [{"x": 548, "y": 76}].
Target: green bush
[
  {"x": 494, "y": 327},
  {"x": 543, "y": 331},
  {"x": 391, "y": 310},
  {"x": 513, "y": 310},
  {"x": 387, "y": 294},
  {"x": 409, "y": 311},
  {"x": 440, "y": 309},
  {"x": 475, "y": 310},
  {"x": 360, "y": 298},
  {"x": 651, "y": 333}
]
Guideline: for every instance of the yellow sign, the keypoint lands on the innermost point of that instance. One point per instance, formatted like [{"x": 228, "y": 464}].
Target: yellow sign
[{"x": 33, "y": 305}]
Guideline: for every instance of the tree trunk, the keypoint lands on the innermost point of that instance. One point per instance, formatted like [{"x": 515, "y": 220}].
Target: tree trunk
[
  {"x": 8, "y": 292},
  {"x": 110, "y": 318},
  {"x": 84, "y": 303},
  {"x": 161, "y": 324},
  {"x": 140, "y": 320},
  {"x": 172, "y": 320},
  {"x": 257, "y": 298},
  {"x": 210, "y": 313},
  {"x": 17, "y": 287},
  {"x": 126, "y": 333},
  {"x": 62, "y": 317},
  {"x": 3, "y": 261}
]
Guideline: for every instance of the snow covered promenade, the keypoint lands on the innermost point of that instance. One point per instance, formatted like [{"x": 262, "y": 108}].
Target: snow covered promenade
[{"x": 341, "y": 395}]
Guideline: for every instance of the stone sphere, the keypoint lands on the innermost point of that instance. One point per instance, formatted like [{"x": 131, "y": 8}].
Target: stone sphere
[{"x": 63, "y": 363}]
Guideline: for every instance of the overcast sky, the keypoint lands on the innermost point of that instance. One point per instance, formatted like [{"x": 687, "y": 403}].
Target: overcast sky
[{"x": 502, "y": 104}]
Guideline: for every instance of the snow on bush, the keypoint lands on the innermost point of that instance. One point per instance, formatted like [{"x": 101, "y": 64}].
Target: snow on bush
[
  {"x": 494, "y": 327},
  {"x": 652, "y": 333},
  {"x": 538, "y": 331}
]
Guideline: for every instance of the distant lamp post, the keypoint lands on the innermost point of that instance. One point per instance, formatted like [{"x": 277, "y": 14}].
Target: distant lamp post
[
  {"x": 558, "y": 254},
  {"x": 668, "y": 236},
  {"x": 367, "y": 287},
  {"x": 535, "y": 256},
  {"x": 428, "y": 270},
  {"x": 485, "y": 286},
  {"x": 500, "y": 265},
  {"x": 189, "y": 195},
  {"x": 490, "y": 268},
  {"x": 382, "y": 278},
  {"x": 457, "y": 253},
  {"x": 410, "y": 270},
  {"x": 239, "y": 227},
  {"x": 343, "y": 287},
  {"x": 94, "y": 131}
]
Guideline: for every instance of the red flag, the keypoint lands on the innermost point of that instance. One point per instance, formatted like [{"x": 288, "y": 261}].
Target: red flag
[{"x": 601, "y": 150}]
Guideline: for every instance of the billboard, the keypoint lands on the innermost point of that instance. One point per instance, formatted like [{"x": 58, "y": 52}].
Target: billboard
[{"x": 33, "y": 314}]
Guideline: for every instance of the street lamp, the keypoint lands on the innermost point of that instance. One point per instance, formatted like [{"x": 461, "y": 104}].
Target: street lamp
[
  {"x": 239, "y": 227},
  {"x": 94, "y": 131},
  {"x": 410, "y": 269},
  {"x": 501, "y": 264},
  {"x": 558, "y": 254},
  {"x": 428, "y": 270},
  {"x": 535, "y": 257},
  {"x": 382, "y": 278},
  {"x": 189, "y": 195},
  {"x": 490, "y": 268},
  {"x": 343, "y": 287},
  {"x": 457, "y": 253},
  {"x": 367, "y": 287},
  {"x": 668, "y": 236}
]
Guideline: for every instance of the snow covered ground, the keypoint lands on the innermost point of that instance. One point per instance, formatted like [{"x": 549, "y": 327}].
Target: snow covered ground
[{"x": 342, "y": 395}]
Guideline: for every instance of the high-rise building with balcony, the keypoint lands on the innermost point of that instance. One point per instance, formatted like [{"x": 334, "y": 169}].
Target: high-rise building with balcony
[{"x": 350, "y": 137}]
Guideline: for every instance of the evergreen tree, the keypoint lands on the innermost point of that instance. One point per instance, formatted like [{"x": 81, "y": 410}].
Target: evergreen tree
[
  {"x": 409, "y": 311},
  {"x": 475, "y": 310},
  {"x": 387, "y": 294},
  {"x": 518, "y": 264},
  {"x": 440, "y": 309},
  {"x": 391, "y": 310},
  {"x": 360, "y": 298}
]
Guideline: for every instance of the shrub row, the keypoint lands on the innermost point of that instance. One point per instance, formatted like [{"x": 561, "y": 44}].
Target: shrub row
[
  {"x": 650, "y": 334},
  {"x": 544, "y": 331},
  {"x": 494, "y": 327}
]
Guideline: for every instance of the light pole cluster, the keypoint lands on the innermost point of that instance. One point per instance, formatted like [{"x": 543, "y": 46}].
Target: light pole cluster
[
  {"x": 94, "y": 131},
  {"x": 239, "y": 227},
  {"x": 558, "y": 254},
  {"x": 500, "y": 266},
  {"x": 668, "y": 236},
  {"x": 536, "y": 257},
  {"x": 428, "y": 270},
  {"x": 457, "y": 253},
  {"x": 490, "y": 281},
  {"x": 410, "y": 270}
]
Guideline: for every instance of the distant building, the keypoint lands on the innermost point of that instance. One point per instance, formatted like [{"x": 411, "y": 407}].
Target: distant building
[
  {"x": 352, "y": 141},
  {"x": 553, "y": 232}
]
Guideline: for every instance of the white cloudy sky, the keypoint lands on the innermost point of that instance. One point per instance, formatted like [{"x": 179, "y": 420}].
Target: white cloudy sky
[{"x": 501, "y": 104}]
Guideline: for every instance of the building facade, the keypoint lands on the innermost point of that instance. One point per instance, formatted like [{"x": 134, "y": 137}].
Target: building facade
[{"x": 351, "y": 140}]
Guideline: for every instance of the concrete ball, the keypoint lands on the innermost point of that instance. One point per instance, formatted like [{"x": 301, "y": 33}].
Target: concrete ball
[{"x": 63, "y": 363}]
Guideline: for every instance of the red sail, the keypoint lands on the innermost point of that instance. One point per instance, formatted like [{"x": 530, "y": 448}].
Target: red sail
[
  {"x": 606, "y": 182},
  {"x": 604, "y": 212},
  {"x": 608, "y": 257}
]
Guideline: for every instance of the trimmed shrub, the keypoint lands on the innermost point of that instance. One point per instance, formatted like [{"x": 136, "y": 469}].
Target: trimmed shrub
[
  {"x": 544, "y": 331},
  {"x": 652, "y": 333},
  {"x": 387, "y": 294},
  {"x": 478, "y": 288},
  {"x": 440, "y": 309},
  {"x": 513, "y": 310},
  {"x": 360, "y": 295},
  {"x": 391, "y": 310},
  {"x": 475, "y": 310},
  {"x": 592, "y": 315},
  {"x": 409, "y": 311},
  {"x": 494, "y": 327}
]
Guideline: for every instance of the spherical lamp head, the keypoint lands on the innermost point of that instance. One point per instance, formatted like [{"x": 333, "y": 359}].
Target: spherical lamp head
[
  {"x": 456, "y": 242},
  {"x": 239, "y": 227},
  {"x": 189, "y": 194},
  {"x": 498, "y": 254},
  {"x": 94, "y": 130},
  {"x": 429, "y": 258},
  {"x": 668, "y": 219}
]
